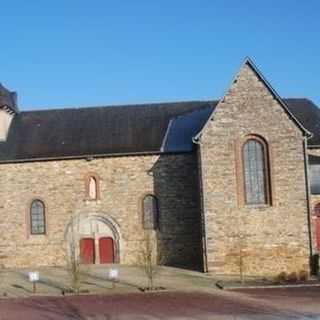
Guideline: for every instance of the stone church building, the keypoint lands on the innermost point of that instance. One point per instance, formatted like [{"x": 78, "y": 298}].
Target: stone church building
[{"x": 218, "y": 184}]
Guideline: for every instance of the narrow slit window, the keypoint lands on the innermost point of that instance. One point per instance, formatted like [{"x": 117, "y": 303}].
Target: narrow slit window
[{"x": 92, "y": 188}]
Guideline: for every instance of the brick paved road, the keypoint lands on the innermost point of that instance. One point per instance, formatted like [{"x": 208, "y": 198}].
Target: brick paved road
[
  {"x": 300, "y": 299},
  {"x": 166, "y": 305}
]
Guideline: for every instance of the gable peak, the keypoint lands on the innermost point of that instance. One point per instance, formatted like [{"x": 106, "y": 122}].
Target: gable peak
[{"x": 248, "y": 62}]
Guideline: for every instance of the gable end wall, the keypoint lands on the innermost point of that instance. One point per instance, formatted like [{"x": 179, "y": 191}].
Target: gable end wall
[{"x": 262, "y": 240}]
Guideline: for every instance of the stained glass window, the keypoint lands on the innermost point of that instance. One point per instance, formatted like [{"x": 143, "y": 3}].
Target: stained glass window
[
  {"x": 255, "y": 182},
  {"x": 37, "y": 217}
]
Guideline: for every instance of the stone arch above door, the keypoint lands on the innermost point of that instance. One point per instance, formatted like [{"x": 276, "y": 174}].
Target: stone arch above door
[{"x": 94, "y": 226}]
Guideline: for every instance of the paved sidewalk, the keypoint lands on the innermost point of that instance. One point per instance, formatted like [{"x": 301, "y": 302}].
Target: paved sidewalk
[{"x": 54, "y": 281}]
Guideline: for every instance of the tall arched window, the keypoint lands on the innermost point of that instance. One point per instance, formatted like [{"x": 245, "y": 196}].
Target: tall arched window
[
  {"x": 150, "y": 212},
  {"x": 37, "y": 217},
  {"x": 316, "y": 213},
  {"x": 256, "y": 174}
]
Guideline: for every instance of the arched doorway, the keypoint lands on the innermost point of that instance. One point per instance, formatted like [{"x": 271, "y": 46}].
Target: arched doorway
[{"x": 95, "y": 239}]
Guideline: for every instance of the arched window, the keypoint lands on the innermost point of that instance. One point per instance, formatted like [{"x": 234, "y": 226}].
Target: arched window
[
  {"x": 256, "y": 174},
  {"x": 316, "y": 210},
  {"x": 37, "y": 217},
  {"x": 92, "y": 186},
  {"x": 150, "y": 212}
]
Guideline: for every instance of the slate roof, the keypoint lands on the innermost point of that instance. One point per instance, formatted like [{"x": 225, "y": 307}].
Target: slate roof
[
  {"x": 8, "y": 99},
  {"x": 183, "y": 128},
  {"x": 62, "y": 133},
  {"x": 116, "y": 130}
]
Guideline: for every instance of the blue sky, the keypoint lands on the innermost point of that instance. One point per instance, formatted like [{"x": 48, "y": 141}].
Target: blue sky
[{"x": 66, "y": 53}]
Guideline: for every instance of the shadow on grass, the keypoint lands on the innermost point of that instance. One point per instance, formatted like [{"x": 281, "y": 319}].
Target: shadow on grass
[{"x": 18, "y": 286}]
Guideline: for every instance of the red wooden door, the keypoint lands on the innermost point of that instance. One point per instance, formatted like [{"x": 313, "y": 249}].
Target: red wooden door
[
  {"x": 87, "y": 252},
  {"x": 318, "y": 232},
  {"x": 106, "y": 250}
]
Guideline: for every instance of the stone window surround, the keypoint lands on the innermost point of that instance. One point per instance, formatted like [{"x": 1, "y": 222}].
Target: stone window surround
[
  {"x": 28, "y": 219},
  {"x": 87, "y": 178},
  {"x": 141, "y": 209},
  {"x": 240, "y": 171}
]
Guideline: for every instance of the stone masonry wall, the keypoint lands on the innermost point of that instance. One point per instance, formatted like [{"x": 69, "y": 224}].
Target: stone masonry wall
[
  {"x": 123, "y": 183},
  {"x": 268, "y": 239}
]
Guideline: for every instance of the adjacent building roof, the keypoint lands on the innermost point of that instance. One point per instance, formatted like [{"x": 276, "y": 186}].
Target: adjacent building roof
[
  {"x": 309, "y": 115},
  {"x": 116, "y": 130},
  {"x": 314, "y": 160}
]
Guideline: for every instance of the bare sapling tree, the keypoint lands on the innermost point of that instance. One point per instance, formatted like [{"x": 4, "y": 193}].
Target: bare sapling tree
[
  {"x": 75, "y": 268},
  {"x": 148, "y": 257},
  {"x": 241, "y": 259},
  {"x": 241, "y": 238}
]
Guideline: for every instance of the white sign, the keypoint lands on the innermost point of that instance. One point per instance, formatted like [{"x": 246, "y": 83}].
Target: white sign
[
  {"x": 113, "y": 274},
  {"x": 34, "y": 276}
]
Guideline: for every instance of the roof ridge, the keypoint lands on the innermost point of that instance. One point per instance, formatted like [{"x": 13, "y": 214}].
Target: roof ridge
[{"x": 145, "y": 104}]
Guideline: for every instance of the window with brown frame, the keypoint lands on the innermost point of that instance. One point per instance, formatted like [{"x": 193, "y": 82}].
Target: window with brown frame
[
  {"x": 314, "y": 170},
  {"x": 316, "y": 210},
  {"x": 37, "y": 217},
  {"x": 256, "y": 172}
]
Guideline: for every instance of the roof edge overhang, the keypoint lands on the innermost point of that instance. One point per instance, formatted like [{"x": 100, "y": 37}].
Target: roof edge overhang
[
  {"x": 248, "y": 61},
  {"x": 90, "y": 157}
]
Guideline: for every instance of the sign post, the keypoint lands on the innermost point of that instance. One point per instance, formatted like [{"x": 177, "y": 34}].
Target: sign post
[
  {"x": 34, "y": 278},
  {"x": 113, "y": 276}
]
